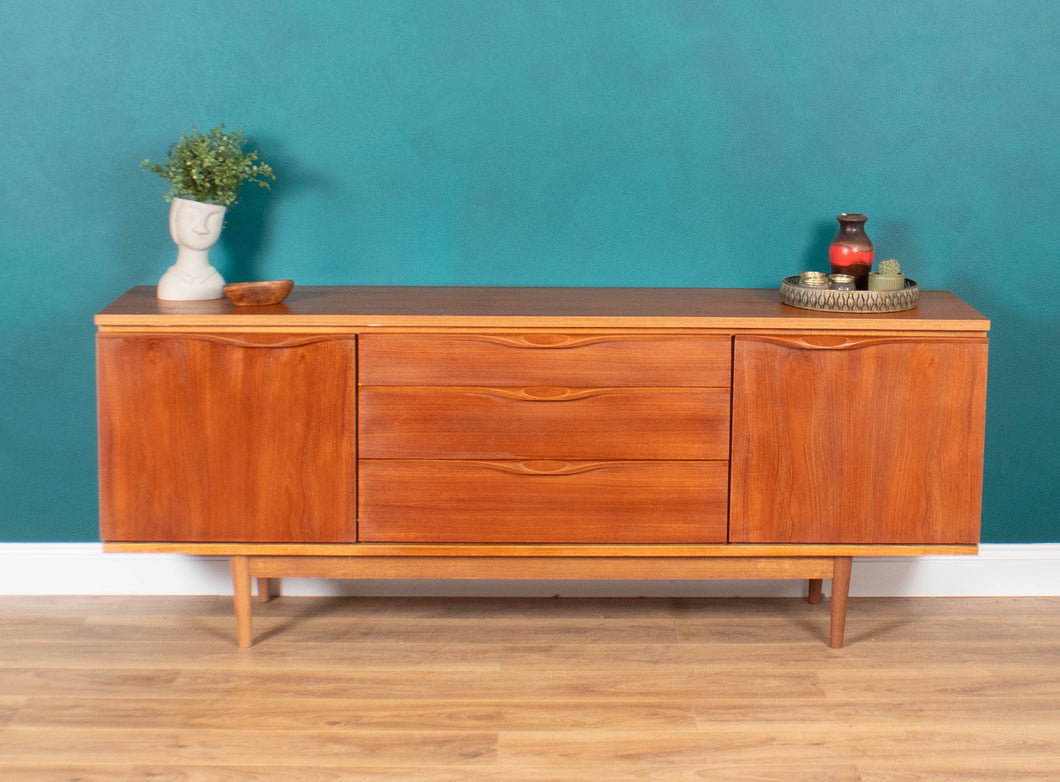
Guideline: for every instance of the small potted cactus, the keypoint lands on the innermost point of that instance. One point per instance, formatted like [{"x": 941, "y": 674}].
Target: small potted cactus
[{"x": 888, "y": 278}]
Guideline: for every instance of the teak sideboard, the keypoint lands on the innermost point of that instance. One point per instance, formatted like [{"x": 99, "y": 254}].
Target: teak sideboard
[{"x": 539, "y": 433}]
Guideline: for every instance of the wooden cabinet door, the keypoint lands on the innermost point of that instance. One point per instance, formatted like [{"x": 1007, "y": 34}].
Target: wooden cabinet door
[
  {"x": 235, "y": 437},
  {"x": 869, "y": 439}
]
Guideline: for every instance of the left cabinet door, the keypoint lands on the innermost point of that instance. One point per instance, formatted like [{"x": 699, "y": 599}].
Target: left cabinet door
[{"x": 227, "y": 437}]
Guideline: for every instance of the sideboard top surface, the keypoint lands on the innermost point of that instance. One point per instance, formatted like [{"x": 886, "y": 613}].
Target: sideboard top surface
[{"x": 365, "y": 307}]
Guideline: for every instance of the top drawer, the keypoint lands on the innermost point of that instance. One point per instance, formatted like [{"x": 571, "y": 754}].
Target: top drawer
[{"x": 583, "y": 360}]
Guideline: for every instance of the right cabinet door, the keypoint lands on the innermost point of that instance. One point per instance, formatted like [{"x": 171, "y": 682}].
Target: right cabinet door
[{"x": 857, "y": 439}]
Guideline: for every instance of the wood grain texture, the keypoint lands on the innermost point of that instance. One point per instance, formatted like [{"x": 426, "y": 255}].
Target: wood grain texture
[
  {"x": 555, "y": 418},
  {"x": 545, "y": 501},
  {"x": 543, "y": 423},
  {"x": 542, "y": 690},
  {"x": 492, "y": 550},
  {"x": 845, "y": 439},
  {"x": 380, "y": 307},
  {"x": 546, "y": 359},
  {"x": 226, "y": 437},
  {"x": 257, "y": 294},
  {"x": 668, "y": 568}
]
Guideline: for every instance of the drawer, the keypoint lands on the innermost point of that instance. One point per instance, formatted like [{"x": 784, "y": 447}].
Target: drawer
[
  {"x": 547, "y": 359},
  {"x": 542, "y": 502},
  {"x": 543, "y": 423}
]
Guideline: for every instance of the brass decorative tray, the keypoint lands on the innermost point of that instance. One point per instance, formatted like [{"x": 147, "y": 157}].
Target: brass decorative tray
[{"x": 796, "y": 295}]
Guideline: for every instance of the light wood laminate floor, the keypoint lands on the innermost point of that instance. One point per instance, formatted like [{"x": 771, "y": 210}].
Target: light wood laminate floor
[{"x": 561, "y": 690}]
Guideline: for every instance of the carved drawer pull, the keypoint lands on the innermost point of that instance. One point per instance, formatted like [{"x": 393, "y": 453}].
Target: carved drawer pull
[
  {"x": 545, "y": 467},
  {"x": 555, "y": 394},
  {"x": 546, "y": 393},
  {"x": 546, "y": 341},
  {"x": 550, "y": 393},
  {"x": 559, "y": 394}
]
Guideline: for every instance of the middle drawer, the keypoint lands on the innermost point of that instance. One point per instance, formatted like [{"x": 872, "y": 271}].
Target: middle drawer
[{"x": 543, "y": 423}]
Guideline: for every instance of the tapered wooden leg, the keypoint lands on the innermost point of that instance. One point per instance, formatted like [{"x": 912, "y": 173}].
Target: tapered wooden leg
[
  {"x": 241, "y": 582},
  {"x": 267, "y": 589},
  {"x": 840, "y": 592},
  {"x": 815, "y": 591}
]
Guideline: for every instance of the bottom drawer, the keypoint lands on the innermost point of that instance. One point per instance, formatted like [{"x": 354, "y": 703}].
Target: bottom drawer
[{"x": 405, "y": 501}]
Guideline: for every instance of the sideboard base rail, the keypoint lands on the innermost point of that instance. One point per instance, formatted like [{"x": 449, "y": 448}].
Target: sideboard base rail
[{"x": 246, "y": 568}]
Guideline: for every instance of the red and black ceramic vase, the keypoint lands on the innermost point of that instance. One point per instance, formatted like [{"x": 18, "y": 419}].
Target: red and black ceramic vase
[{"x": 851, "y": 250}]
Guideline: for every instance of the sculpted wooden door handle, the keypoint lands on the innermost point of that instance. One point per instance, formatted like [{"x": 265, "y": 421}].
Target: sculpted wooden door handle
[
  {"x": 243, "y": 340},
  {"x": 846, "y": 342}
]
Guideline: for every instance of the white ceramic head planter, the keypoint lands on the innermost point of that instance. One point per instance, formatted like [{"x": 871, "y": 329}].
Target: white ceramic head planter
[{"x": 194, "y": 227}]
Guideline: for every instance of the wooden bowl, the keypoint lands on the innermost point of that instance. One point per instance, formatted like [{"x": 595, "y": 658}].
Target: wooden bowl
[{"x": 256, "y": 294}]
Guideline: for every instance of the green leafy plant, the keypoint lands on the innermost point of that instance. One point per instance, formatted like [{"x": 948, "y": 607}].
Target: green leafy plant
[{"x": 210, "y": 167}]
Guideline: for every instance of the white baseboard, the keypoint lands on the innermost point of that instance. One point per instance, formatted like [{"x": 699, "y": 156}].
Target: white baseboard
[{"x": 83, "y": 569}]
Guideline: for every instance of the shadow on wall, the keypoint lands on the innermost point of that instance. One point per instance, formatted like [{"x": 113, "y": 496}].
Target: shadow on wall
[
  {"x": 815, "y": 256},
  {"x": 890, "y": 238},
  {"x": 249, "y": 223},
  {"x": 144, "y": 249}
]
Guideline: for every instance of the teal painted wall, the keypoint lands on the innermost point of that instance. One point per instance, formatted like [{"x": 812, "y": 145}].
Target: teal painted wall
[{"x": 548, "y": 142}]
